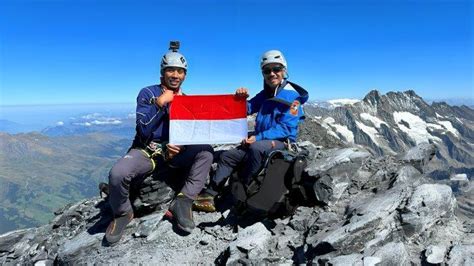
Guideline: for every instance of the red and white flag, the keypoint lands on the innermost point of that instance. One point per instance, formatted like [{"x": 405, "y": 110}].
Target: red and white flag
[{"x": 208, "y": 119}]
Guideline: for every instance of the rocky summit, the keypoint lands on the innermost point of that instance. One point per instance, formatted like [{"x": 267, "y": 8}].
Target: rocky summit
[{"x": 372, "y": 210}]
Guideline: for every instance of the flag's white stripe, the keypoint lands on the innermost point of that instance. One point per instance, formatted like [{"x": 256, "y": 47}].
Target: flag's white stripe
[{"x": 184, "y": 132}]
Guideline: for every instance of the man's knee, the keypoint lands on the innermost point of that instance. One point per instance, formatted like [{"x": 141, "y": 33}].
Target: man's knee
[
  {"x": 259, "y": 147},
  {"x": 119, "y": 174},
  {"x": 205, "y": 156}
]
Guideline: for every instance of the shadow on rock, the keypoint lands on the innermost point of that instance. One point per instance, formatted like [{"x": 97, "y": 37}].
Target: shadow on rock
[{"x": 103, "y": 218}]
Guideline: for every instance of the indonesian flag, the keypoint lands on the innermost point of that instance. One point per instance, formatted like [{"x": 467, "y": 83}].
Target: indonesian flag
[{"x": 208, "y": 119}]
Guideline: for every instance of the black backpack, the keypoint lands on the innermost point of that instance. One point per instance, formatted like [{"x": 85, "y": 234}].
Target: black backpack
[{"x": 277, "y": 190}]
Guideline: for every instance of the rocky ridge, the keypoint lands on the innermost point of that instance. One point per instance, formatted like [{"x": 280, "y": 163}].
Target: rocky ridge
[
  {"x": 396, "y": 121},
  {"x": 379, "y": 210}
]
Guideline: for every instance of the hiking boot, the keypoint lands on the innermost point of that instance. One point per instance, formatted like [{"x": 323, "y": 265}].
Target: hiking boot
[
  {"x": 117, "y": 227},
  {"x": 181, "y": 211},
  {"x": 205, "y": 201}
]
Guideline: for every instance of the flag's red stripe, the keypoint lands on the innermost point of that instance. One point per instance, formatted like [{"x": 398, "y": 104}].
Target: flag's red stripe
[{"x": 207, "y": 107}]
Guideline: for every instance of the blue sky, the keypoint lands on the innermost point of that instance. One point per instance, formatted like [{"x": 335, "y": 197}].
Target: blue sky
[{"x": 55, "y": 52}]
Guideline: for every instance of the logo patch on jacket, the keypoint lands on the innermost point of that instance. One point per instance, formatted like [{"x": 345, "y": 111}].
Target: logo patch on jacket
[{"x": 294, "y": 108}]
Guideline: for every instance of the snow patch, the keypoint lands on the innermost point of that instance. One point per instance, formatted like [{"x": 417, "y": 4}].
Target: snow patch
[
  {"x": 375, "y": 120},
  {"x": 332, "y": 133},
  {"x": 370, "y": 131},
  {"x": 439, "y": 116},
  {"x": 345, "y": 132},
  {"x": 449, "y": 127},
  {"x": 327, "y": 123},
  {"x": 435, "y": 126},
  {"x": 106, "y": 122},
  {"x": 417, "y": 127},
  {"x": 329, "y": 120},
  {"x": 459, "y": 177}
]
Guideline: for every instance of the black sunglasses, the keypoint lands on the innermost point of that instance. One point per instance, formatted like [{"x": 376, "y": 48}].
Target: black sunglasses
[{"x": 274, "y": 69}]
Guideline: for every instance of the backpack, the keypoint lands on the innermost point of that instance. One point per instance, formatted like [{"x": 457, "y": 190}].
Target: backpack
[{"x": 277, "y": 190}]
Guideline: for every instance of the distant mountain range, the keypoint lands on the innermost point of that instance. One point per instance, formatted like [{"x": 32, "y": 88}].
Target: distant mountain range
[
  {"x": 13, "y": 127},
  {"x": 396, "y": 121},
  {"x": 39, "y": 174}
]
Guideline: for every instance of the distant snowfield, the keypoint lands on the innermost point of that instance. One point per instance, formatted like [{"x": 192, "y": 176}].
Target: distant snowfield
[
  {"x": 341, "y": 129},
  {"x": 372, "y": 132},
  {"x": 449, "y": 127},
  {"x": 418, "y": 128},
  {"x": 342, "y": 102},
  {"x": 375, "y": 120}
]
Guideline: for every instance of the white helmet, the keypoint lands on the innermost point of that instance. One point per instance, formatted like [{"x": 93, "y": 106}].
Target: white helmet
[
  {"x": 273, "y": 56},
  {"x": 173, "y": 58}
]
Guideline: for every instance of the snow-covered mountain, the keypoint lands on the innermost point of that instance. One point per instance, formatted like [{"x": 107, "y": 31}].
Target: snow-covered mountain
[{"x": 396, "y": 121}]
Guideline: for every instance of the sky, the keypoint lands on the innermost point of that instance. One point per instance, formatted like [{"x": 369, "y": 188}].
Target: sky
[{"x": 85, "y": 51}]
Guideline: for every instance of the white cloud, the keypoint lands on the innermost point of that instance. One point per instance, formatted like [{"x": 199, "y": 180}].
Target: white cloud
[
  {"x": 106, "y": 122},
  {"x": 60, "y": 123},
  {"x": 91, "y": 116}
]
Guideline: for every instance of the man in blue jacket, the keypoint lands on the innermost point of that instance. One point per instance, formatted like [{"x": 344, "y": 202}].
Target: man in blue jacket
[
  {"x": 150, "y": 149},
  {"x": 279, "y": 111}
]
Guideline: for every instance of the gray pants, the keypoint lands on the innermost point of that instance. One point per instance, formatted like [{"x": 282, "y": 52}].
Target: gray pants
[
  {"x": 250, "y": 158},
  {"x": 136, "y": 164}
]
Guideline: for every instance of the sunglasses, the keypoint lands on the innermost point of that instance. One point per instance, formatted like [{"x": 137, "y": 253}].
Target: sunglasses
[{"x": 275, "y": 69}]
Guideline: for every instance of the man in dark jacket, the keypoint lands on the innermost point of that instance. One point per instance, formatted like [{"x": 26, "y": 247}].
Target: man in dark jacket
[
  {"x": 279, "y": 111},
  {"x": 150, "y": 147}
]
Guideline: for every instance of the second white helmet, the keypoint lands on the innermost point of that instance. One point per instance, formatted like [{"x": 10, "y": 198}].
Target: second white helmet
[
  {"x": 173, "y": 59},
  {"x": 273, "y": 56}
]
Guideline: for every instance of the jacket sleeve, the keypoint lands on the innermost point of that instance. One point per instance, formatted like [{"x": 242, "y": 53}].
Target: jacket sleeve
[
  {"x": 253, "y": 105},
  {"x": 148, "y": 115},
  {"x": 286, "y": 126}
]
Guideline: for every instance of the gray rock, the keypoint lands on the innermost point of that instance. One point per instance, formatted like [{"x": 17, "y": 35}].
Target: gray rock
[
  {"x": 148, "y": 224},
  {"x": 354, "y": 259},
  {"x": 420, "y": 155},
  {"x": 368, "y": 221},
  {"x": 74, "y": 249},
  {"x": 335, "y": 158},
  {"x": 251, "y": 243},
  {"x": 378, "y": 214},
  {"x": 435, "y": 254},
  {"x": 426, "y": 206},
  {"x": 371, "y": 261},
  {"x": 393, "y": 254},
  {"x": 8, "y": 240},
  {"x": 408, "y": 174},
  {"x": 461, "y": 255},
  {"x": 303, "y": 219}
]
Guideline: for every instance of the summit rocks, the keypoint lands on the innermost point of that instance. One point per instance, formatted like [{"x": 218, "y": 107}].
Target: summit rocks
[{"x": 373, "y": 209}]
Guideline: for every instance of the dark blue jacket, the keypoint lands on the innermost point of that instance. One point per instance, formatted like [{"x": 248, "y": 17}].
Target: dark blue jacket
[
  {"x": 152, "y": 122},
  {"x": 278, "y": 115}
]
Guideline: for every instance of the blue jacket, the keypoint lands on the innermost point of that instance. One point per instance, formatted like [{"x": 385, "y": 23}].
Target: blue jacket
[
  {"x": 152, "y": 122},
  {"x": 278, "y": 116}
]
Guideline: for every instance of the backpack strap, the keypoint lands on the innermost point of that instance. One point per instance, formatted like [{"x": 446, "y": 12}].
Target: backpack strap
[{"x": 299, "y": 165}]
